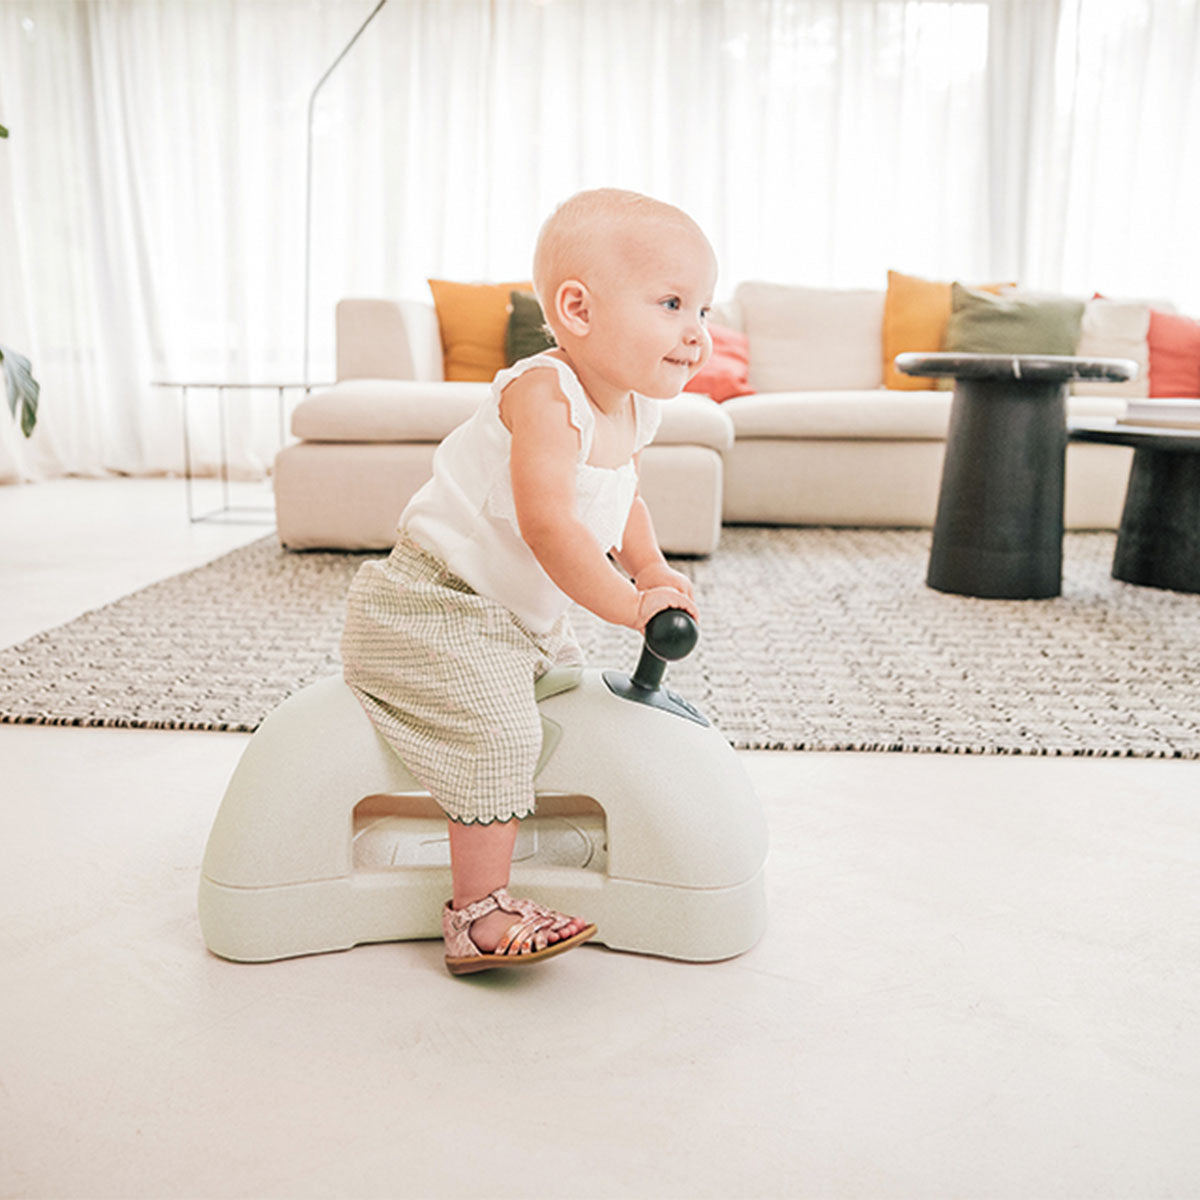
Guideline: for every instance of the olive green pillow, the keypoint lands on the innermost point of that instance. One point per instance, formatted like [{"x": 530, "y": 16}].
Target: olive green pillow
[
  {"x": 1012, "y": 323},
  {"x": 527, "y": 332}
]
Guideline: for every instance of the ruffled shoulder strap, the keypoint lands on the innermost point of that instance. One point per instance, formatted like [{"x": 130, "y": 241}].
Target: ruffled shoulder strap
[
  {"x": 579, "y": 410},
  {"x": 648, "y": 413}
]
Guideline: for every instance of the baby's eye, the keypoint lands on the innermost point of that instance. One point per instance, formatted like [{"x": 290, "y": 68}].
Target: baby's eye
[
  {"x": 704, "y": 313},
  {"x": 672, "y": 302}
]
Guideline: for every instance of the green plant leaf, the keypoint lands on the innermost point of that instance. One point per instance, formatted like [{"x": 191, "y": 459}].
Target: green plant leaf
[
  {"x": 22, "y": 388},
  {"x": 3, "y": 131}
]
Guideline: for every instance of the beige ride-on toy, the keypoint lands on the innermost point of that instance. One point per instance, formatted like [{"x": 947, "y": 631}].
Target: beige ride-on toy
[{"x": 646, "y": 821}]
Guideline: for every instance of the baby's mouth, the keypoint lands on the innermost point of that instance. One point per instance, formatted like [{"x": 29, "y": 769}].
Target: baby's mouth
[{"x": 681, "y": 362}]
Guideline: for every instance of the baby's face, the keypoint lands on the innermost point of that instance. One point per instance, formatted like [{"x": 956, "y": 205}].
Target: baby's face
[{"x": 650, "y": 302}]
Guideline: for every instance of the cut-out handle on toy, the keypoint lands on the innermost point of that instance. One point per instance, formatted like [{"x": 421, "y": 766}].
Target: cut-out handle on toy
[{"x": 670, "y": 634}]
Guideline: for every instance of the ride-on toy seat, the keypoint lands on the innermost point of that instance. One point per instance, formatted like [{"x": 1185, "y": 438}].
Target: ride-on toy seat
[{"x": 646, "y": 824}]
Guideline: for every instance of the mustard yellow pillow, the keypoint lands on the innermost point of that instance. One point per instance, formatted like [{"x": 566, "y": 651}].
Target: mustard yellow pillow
[
  {"x": 915, "y": 315},
  {"x": 473, "y": 318}
]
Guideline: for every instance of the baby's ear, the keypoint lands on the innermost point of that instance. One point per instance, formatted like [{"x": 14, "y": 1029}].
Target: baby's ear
[{"x": 572, "y": 305}]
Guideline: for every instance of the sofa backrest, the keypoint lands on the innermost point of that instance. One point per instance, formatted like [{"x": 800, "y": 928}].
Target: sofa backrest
[
  {"x": 388, "y": 339},
  {"x": 812, "y": 338}
]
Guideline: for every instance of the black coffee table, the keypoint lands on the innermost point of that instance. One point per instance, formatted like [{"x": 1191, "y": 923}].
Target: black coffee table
[
  {"x": 1158, "y": 544},
  {"x": 999, "y": 526}
]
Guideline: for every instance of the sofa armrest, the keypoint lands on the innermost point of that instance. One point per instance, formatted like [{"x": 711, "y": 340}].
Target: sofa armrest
[
  {"x": 385, "y": 410},
  {"x": 388, "y": 339},
  {"x": 694, "y": 420}
]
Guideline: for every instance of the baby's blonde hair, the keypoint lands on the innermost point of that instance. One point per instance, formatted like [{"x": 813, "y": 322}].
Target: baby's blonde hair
[{"x": 580, "y": 227}]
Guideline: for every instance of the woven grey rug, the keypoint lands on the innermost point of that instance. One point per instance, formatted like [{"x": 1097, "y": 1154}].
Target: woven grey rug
[{"x": 816, "y": 639}]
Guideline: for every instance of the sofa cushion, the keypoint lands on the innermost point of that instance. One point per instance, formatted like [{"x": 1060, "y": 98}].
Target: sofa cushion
[
  {"x": 473, "y": 318},
  {"x": 526, "y": 333},
  {"x": 1012, "y": 323},
  {"x": 727, "y": 313},
  {"x": 878, "y": 414},
  {"x": 875, "y": 413},
  {"x": 726, "y": 374},
  {"x": 690, "y": 420},
  {"x": 812, "y": 338},
  {"x": 386, "y": 410},
  {"x": 1174, "y": 343},
  {"x": 915, "y": 315},
  {"x": 1116, "y": 329},
  {"x": 402, "y": 410}
]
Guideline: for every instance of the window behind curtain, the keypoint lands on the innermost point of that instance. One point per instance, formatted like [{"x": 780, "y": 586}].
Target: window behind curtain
[{"x": 154, "y": 179}]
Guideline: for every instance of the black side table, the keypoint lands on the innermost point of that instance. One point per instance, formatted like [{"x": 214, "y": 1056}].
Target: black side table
[
  {"x": 999, "y": 526},
  {"x": 1158, "y": 543}
]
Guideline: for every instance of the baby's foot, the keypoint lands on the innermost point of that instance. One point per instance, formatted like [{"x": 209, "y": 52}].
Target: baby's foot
[
  {"x": 488, "y": 932},
  {"x": 500, "y": 931}
]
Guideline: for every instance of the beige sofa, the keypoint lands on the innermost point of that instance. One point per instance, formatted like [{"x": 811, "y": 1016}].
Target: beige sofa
[{"x": 821, "y": 442}]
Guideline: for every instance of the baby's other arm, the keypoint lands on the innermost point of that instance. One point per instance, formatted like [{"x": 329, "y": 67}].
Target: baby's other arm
[
  {"x": 640, "y": 556},
  {"x": 545, "y": 446}
]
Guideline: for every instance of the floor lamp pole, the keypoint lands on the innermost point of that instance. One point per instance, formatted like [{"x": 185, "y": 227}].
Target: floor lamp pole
[{"x": 308, "y": 171}]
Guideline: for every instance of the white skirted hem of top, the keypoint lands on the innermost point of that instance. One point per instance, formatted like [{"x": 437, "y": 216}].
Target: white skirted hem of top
[{"x": 447, "y": 677}]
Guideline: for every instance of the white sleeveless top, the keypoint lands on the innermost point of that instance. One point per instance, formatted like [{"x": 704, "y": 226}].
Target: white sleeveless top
[{"x": 466, "y": 514}]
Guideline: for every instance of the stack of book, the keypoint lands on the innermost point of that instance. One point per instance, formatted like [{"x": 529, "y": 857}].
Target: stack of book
[{"x": 1164, "y": 414}]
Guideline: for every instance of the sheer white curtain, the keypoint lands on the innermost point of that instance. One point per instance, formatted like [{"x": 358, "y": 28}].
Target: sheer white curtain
[
  {"x": 804, "y": 136},
  {"x": 1114, "y": 201},
  {"x": 152, "y": 191}
]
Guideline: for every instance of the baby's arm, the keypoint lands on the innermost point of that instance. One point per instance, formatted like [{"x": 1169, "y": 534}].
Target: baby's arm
[
  {"x": 640, "y": 555},
  {"x": 545, "y": 446}
]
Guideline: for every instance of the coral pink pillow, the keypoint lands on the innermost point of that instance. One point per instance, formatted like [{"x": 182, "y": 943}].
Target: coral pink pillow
[
  {"x": 1174, "y": 344},
  {"x": 726, "y": 374}
]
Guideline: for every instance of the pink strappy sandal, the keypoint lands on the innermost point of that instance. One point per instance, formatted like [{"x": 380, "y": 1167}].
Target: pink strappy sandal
[{"x": 524, "y": 941}]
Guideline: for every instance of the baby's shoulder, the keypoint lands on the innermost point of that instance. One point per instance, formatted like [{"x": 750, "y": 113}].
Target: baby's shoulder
[
  {"x": 542, "y": 384},
  {"x": 536, "y": 385},
  {"x": 533, "y": 377}
]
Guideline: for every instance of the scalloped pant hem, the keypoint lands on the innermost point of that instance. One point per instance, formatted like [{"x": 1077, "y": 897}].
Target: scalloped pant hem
[{"x": 485, "y": 821}]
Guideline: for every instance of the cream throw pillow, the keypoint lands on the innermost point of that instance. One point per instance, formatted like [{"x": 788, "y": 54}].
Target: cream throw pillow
[
  {"x": 1116, "y": 329},
  {"x": 806, "y": 339}
]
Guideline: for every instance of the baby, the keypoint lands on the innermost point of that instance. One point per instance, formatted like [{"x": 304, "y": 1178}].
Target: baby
[{"x": 531, "y": 503}]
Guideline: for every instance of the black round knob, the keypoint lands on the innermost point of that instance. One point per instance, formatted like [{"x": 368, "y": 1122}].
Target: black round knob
[{"x": 672, "y": 634}]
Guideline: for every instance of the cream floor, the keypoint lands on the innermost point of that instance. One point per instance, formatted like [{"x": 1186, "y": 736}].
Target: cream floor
[{"x": 980, "y": 979}]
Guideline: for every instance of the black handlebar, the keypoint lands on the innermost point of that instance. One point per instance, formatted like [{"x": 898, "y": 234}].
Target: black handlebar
[{"x": 670, "y": 634}]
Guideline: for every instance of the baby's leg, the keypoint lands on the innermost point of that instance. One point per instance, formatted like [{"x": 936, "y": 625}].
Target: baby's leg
[
  {"x": 480, "y": 862},
  {"x": 480, "y": 858}
]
